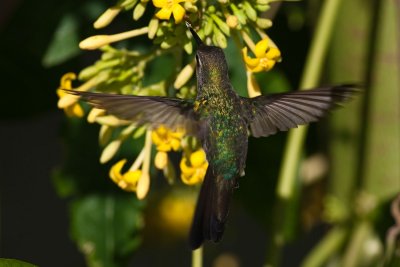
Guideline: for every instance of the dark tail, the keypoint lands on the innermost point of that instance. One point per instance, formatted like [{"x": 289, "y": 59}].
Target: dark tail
[{"x": 211, "y": 210}]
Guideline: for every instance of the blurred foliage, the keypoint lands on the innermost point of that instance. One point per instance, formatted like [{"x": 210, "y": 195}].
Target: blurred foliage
[
  {"x": 14, "y": 263},
  {"x": 106, "y": 228},
  {"x": 360, "y": 142}
]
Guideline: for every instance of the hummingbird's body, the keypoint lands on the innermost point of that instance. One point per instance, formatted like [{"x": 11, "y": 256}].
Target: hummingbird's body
[
  {"x": 222, "y": 121},
  {"x": 223, "y": 129},
  {"x": 224, "y": 136}
]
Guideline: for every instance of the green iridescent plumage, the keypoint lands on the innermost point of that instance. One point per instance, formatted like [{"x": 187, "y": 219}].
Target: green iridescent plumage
[{"x": 221, "y": 120}]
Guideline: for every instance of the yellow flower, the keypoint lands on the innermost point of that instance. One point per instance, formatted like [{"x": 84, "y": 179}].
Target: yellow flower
[
  {"x": 165, "y": 139},
  {"x": 68, "y": 102},
  {"x": 169, "y": 7},
  {"x": 193, "y": 172},
  {"x": 266, "y": 57},
  {"x": 127, "y": 181}
]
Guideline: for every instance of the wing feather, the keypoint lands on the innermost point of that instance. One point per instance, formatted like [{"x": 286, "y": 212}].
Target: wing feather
[
  {"x": 268, "y": 114},
  {"x": 155, "y": 110}
]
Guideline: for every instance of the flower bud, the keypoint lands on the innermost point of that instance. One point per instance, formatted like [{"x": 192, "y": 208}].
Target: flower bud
[
  {"x": 110, "y": 151},
  {"x": 106, "y": 18},
  {"x": 184, "y": 76},
  {"x": 95, "y": 42},
  {"x": 263, "y": 23},
  {"x": 232, "y": 21}
]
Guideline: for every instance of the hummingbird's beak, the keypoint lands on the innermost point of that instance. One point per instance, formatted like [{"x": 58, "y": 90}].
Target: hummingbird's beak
[{"x": 194, "y": 34}]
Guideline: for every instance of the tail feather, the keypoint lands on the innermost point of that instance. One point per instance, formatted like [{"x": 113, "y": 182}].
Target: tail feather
[{"x": 212, "y": 209}]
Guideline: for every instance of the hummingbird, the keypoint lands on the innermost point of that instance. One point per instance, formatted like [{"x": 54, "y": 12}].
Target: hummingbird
[{"x": 222, "y": 121}]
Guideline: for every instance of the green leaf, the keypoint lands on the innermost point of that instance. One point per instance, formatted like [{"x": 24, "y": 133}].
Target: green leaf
[
  {"x": 106, "y": 227},
  {"x": 64, "y": 44},
  {"x": 14, "y": 263}
]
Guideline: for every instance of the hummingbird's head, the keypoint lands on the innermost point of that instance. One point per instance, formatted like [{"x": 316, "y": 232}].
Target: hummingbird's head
[{"x": 211, "y": 63}]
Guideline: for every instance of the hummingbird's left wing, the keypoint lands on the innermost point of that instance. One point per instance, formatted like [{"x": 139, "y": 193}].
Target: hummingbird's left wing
[
  {"x": 279, "y": 112},
  {"x": 155, "y": 110}
]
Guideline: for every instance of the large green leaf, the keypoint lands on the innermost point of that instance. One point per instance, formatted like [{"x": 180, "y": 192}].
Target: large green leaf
[{"x": 106, "y": 228}]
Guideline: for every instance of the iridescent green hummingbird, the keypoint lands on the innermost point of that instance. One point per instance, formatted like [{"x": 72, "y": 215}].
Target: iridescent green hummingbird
[{"x": 222, "y": 121}]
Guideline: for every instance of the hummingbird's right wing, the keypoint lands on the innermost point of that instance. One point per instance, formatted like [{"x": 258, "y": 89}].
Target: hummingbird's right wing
[
  {"x": 156, "y": 110},
  {"x": 279, "y": 112}
]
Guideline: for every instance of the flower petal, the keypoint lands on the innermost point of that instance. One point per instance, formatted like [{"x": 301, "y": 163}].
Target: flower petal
[
  {"x": 273, "y": 53},
  {"x": 261, "y": 48},
  {"x": 132, "y": 177},
  {"x": 267, "y": 64},
  {"x": 66, "y": 80},
  {"x": 175, "y": 144},
  {"x": 185, "y": 169},
  {"x": 155, "y": 137},
  {"x": 164, "y": 146},
  {"x": 160, "y": 3},
  {"x": 190, "y": 180},
  {"x": 164, "y": 13},
  {"x": 162, "y": 130},
  {"x": 257, "y": 68},
  {"x": 77, "y": 110},
  {"x": 198, "y": 158},
  {"x": 250, "y": 62},
  {"x": 115, "y": 171},
  {"x": 179, "y": 12}
]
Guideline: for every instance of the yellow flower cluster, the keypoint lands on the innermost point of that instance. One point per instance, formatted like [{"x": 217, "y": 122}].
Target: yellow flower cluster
[
  {"x": 165, "y": 140},
  {"x": 215, "y": 26},
  {"x": 194, "y": 167},
  {"x": 266, "y": 57},
  {"x": 169, "y": 7},
  {"x": 137, "y": 178},
  {"x": 127, "y": 181},
  {"x": 69, "y": 103}
]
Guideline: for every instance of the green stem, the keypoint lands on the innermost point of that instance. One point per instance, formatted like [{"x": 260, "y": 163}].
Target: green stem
[
  {"x": 296, "y": 137},
  {"x": 331, "y": 243},
  {"x": 310, "y": 78},
  {"x": 353, "y": 252},
  {"x": 197, "y": 257}
]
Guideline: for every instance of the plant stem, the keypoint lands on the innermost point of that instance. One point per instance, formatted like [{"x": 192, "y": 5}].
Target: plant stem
[
  {"x": 326, "y": 248},
  {"x": 197, "y": 257},
  {"x": 293, "y": 150},
  {"x": 353, "y": 252},
  {"x": 310, "y": 78}
]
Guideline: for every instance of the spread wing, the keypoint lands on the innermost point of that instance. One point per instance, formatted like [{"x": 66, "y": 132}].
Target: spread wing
[
  {"x": 279, "y": 112},
  {"x": 155, "y": 110}
]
